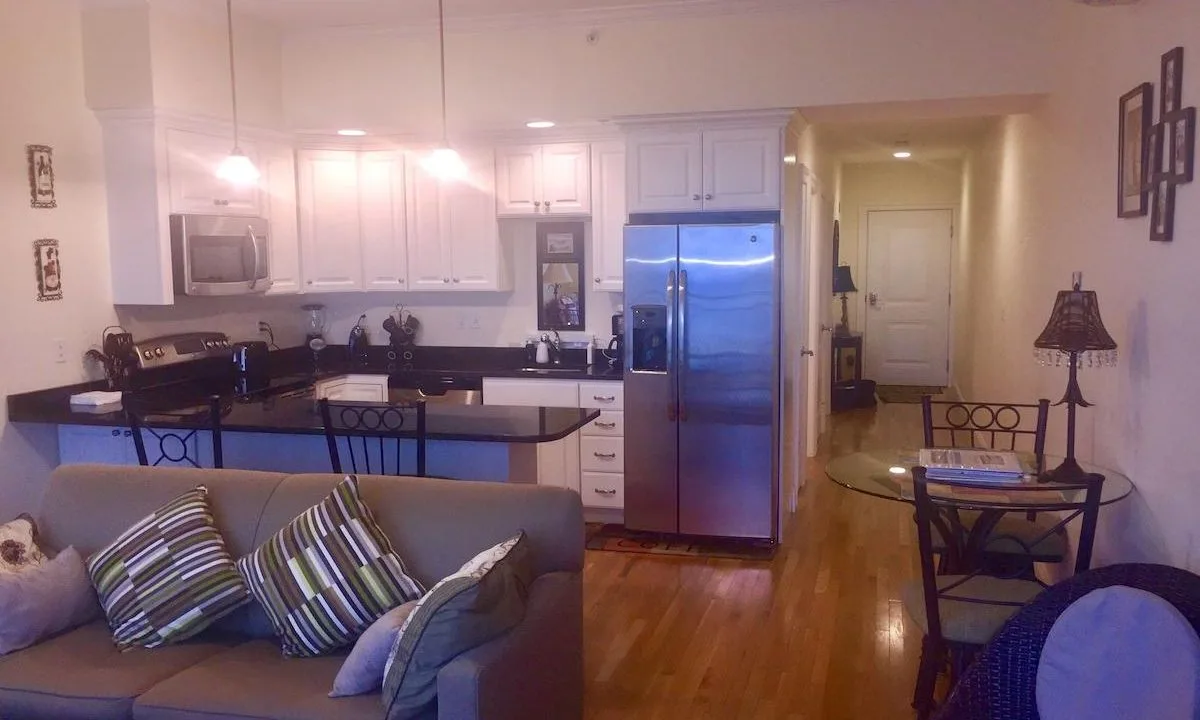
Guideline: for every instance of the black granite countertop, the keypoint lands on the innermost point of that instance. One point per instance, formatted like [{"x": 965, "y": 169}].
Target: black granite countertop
[{"x": 176, "y": 399}]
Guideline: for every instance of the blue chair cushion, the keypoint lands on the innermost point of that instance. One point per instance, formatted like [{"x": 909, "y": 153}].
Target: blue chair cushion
[{"x": 1119, "y": 653}]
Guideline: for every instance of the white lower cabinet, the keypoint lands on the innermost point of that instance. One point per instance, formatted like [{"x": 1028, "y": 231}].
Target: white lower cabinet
[
  {"x": 353, "y": 388},
  {"x": 591, "y": 461}
]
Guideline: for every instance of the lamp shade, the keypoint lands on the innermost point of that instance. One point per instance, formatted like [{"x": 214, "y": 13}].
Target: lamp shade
[
  {"x": 842, "y": 282},
  {"x": 1075, "y": 324}
]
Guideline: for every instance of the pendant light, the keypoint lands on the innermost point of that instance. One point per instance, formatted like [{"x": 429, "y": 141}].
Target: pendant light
[
  {"x": 444, "y": 163},
  {"x": 237, "y": 168}
]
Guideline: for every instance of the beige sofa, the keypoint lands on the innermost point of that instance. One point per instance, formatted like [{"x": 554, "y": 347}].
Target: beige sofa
[{"x": 236, "y": 670}]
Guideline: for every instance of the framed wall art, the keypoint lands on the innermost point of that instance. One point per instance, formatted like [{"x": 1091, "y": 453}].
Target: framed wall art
[
  {"x": 1172, "y": 82},
  {"x": 1179, "y": 144},
  {"x": 41, "y": 175},
  {"x": 48, "y": 270},
  {"x": 1133, "y": 147},
  {"x": 1162, "y": 213}
]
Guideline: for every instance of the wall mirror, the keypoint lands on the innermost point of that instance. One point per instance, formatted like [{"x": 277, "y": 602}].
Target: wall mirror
[{"x": 560, "y": 273}]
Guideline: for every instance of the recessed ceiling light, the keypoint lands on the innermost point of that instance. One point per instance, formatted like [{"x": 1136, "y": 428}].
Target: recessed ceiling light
[
  {"x": 897, "y": 470},
  {"x": 539, "y": 124},
  {"x": 352, "y": 133},
  {"x": 901, "y": 151}
]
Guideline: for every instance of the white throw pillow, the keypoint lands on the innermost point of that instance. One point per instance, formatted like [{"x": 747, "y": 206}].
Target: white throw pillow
[{"x": 1120, "y": 653}]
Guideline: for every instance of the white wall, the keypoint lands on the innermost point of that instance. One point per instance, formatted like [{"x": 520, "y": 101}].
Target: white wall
[
  {"x": 41, "y": 81},
  {"x": 819, "y": 53},
  {"x": 865, "y": 186},
  {"x": 1046, "y": 207}
]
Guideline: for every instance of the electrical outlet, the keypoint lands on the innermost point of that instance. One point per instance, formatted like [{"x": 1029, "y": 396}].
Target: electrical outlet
[
  {"x": 60, "y": 350},
  {"x": 474, "y": 322}
]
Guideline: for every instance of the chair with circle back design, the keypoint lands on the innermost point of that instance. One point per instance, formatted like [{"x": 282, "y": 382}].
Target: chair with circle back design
[
  {"x": 373, "y": 436},
  {"x": 996, "y": 426},
  {"x": 178, "y": 445}
]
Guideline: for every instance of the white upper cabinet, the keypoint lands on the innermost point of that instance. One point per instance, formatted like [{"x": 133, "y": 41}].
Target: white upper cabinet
[
  {"x": 665, "y": 172},
  {"x": 471, "y": 232},
  {"x": 718, "y": 169},
  {"x": 192, "y": 162},
  {"x": 743, "y": 169},
  {"x": 543, "y": 180},
  {"x": 279, "y": 206},
  {"x": 330, "y": 228},
  {"x": 383, "y": 211},
  {"x": 608, "y": 216},
  {"x": 428, "y": 255}
]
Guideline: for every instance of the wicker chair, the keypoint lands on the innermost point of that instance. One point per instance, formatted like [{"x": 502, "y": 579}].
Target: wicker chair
[{"x": 1000, "y": 685}]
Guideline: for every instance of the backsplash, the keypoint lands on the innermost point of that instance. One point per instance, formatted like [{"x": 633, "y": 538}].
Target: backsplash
[{"x": 481, "y": 319}]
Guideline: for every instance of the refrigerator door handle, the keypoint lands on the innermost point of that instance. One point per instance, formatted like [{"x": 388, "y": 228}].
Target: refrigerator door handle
[
  {"x": 681, "y": 377},
  {"x": 672, "y": 389}
]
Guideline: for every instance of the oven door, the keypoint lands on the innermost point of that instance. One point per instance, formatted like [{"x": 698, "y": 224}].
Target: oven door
[{"x": 220, "y": 255}]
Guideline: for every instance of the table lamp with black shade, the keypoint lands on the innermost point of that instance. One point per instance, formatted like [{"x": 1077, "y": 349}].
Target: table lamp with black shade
[
  {"x": 843, "y": 283},
  {"x": 1075, "y": 332}
]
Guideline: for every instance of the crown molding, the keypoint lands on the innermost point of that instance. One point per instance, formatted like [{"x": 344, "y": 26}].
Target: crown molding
[
  {"x": 778, "y": 117},
  {"x": 574, "y": 17},
  {"x": 189, "y": 121}
]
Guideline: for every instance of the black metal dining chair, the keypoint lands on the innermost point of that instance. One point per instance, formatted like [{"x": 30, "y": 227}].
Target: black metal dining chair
[
  {"x": 959, "y": 613},
  {"x": 373, "y": 435},
  {"x": 1002, "y": 682},
  {"x": 997, "y": 426},
  {"x": 181, "y": 445}
]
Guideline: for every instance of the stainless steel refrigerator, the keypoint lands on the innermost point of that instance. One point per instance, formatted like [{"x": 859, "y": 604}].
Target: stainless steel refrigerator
[{"x": 702, "y": 379}]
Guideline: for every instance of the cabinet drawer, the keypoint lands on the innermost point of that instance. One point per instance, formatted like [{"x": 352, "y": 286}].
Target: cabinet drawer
[
  {"x": 603, "y": 395},
  {"x": 602, "y": 454},
  {"x": 611, "y": 423},
  {"x": 530, "y": 393},
  {"x": 604, "y": 490}
]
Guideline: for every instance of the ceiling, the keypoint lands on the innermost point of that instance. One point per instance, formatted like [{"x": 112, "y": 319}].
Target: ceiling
[
  {"x": 300, "y": 15},
  {"x": 934, "y": 139}
]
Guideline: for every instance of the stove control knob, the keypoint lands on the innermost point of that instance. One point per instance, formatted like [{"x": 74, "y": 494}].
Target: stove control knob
[
  {"x": 208, "y": 344},
  {"x": 147, "y": 354},
  {"x": 158, "y": 352}
]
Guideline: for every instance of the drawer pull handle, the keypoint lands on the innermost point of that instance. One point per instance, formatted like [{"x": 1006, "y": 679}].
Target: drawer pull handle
[
  {"x": 606, "y": 425},
  {"x": 610, "y": 493},
  {"x": 606, "y": 456},
  {"x": 604, "y": 398}
]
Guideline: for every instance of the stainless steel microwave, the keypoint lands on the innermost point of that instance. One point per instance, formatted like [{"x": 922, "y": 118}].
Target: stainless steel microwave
[{"x": 220, "y": 255}]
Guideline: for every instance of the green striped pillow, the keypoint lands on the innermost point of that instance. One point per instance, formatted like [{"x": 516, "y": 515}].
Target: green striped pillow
[
  {"x": 168, "y": 576},
  {"x": 327, "y": 575}
]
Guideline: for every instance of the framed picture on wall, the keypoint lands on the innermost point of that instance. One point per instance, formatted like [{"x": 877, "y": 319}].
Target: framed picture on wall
[
  {"x": 1162, "y": 214},
  {"x": 1179, "y": 144},
  {"x": 47, "y": 269},
  {"x": 41, "y": 175},
  {"x": 1172, "y": 82},
  {"x": 1133, "y": 151}
]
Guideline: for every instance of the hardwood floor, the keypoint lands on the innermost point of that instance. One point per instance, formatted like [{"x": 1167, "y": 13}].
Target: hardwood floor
[{"x": 818, "y": 632}]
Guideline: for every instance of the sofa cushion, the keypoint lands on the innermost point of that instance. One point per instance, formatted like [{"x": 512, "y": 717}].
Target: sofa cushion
[
  {"x": 18, "y": 545},
  {"x": 484, "y": 599},
  {"x": 168, "y": 576},
  {"x": 362, "y": 671},
  {"x": 44, "y": 600},
  {"x": 255, "y": 681},
  {"x": 326, "y": 576},
  {"x": 82, "y": 675}
]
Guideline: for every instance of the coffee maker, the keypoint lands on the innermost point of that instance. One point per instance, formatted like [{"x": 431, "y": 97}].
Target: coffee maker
[{"x": 615, "y": 352}]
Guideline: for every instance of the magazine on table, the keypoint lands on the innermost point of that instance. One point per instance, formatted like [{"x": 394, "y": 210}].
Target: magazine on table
[{"x": 971, "y": 464}]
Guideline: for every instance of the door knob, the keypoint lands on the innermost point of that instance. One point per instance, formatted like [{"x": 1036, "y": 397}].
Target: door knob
[
  {"x": 806, "y": 352},
  {"x": 872, "y": 299},
  {"x": 826, "y": 328}
]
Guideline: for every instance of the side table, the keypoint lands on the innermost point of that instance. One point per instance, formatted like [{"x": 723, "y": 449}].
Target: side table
[{"x": 847, "y": 393}]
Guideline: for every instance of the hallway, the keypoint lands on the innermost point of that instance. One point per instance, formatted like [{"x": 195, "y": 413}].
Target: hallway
[{"x": 816, "y": 633}]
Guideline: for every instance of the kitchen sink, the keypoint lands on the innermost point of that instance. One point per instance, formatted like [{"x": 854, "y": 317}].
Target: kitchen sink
[
  {"x": 553, "y": 370},
  {"x": 448, "y": 397}
]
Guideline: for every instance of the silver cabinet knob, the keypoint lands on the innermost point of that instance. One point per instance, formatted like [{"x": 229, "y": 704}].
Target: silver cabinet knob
[
  {"x": 537, "y": 205},
  {"x": 400, "y": 281},
  {"x": 598, "y": 491},
  {"x": 455, "y": 279},
  {"x": 445, "y": 280},
  {"x": 597, "y": 281},
  {"x": 696, "y": 196},
  {"x": 708, "y": 196},
  {"x": 310, "y": 282},
  {"x": 547, "y": 206}
]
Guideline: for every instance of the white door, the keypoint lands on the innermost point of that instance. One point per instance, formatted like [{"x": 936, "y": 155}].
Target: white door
[
  {"x": 608, "y": 216},
  {"x": 566, "y": 179},
  {"x": 428, "y": 251},
  {"x": 279, "y": 183},
  {"x": 742, "y": 169},
  {"x": 519, "y": 181},
  {"x": 469, "y": 220},
  {"x": 384, "y": 220},
  {"x": 907, "y": 294},
  {"x": 665, "y": 172},
  {"x": 329, "y": 221},
  {"x": 192, "y": 162}
]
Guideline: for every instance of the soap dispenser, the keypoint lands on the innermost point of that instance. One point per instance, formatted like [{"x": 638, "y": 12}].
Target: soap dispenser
[{"x": 543, "y": 350}]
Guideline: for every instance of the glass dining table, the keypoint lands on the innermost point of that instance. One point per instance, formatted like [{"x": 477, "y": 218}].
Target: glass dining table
[{"x": 887, "y": 473}]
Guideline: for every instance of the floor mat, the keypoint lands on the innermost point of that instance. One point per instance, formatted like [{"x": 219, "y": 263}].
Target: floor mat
[
  {"x": 615, "y": 538},
  {"x": 905, "y": 393}
]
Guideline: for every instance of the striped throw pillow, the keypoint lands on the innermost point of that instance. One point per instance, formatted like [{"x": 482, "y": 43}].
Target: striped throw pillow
[
  {"x": 326, "y": 576},
  {"x": 168, "y": 577}
]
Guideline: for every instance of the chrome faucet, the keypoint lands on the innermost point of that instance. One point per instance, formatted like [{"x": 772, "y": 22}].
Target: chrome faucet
[{"x": 556, "y": 348}]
